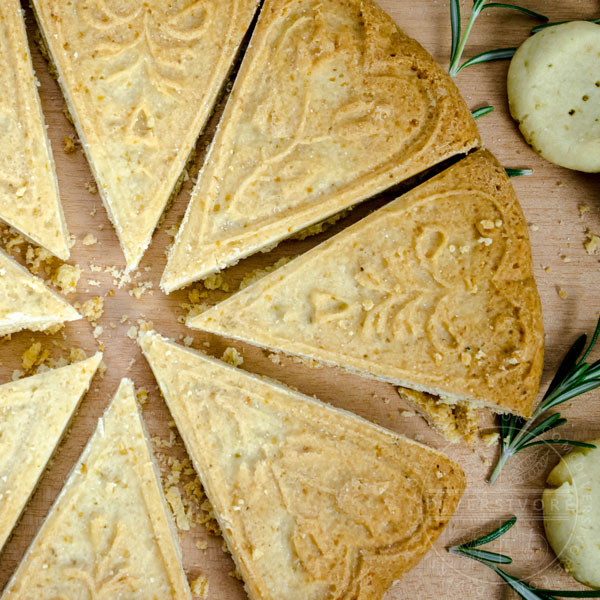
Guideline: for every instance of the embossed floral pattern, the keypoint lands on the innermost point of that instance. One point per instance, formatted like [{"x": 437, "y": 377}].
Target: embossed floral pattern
[{"x": 111, "y": 568}]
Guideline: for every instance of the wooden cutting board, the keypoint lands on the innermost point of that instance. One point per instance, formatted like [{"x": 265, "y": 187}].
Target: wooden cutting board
[{"x": 551, "y": 199}]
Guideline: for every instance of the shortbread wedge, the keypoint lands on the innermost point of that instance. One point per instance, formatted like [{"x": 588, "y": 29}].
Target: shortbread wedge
[
  {"x": 26, "y": 302},
  {"x": 109, "y": 534},
  {"x": 34, "y": 415},
  {"x": 313, "y": 502},
  {"x": 333, "y": 104},
  {"x": 433, "y": 292},
  {"x": 29, "y": 199},
  {"x": 140, "y": 80}
]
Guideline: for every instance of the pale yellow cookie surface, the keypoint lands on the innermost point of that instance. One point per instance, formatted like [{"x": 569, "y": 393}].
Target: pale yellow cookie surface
[
  {"x": 108, "y": 535},
  {"x": 554, "y": 94},
  {"x": 572, "y": 513},
  {"x": 313, "y": 501}
]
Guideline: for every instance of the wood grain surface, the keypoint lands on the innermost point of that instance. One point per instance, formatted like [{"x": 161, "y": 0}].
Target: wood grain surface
[{"x": 551, "y": 199}]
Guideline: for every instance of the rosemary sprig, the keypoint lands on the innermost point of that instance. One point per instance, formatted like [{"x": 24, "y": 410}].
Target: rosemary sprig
[
  {"x": 573, "y": 378},
  {"x": 491, "y": 559},
  {"x": 482, "y": 111},
  {"x": 458, "y": 42},
  {"x": 540, "y": 27},
  {"x": 518, "y": 172}
]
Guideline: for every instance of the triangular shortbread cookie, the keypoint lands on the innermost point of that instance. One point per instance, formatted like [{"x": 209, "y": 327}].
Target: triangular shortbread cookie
[
  {"x": 433, "y": 292},
  {"x": 140, "y": 80},
  {"x": 34, "y": 414},
  {"x": 109, "y": 534},
  {"x": 26, "y": 303},
  {"x": 333, "y": 104},
  {"x": 29, "y": 198},
  {"x": 314, "y": 502}
]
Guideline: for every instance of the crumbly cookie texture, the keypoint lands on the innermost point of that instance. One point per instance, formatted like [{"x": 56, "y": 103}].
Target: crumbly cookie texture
[
  {"x": 286, "y": 474},
  {"x": 571, "y": 506},
  {"x": 138, "y": 94},
  {"x": 456, "y": 422},
  {"x": 435, "y": 293},
  {"x": 34, "y": 414},
  {"x": 314, "y": 127},
  {"x": 29, "y": 199},
  {"x": 554, "y": 94},
  {"x": 109, "y": 530}
]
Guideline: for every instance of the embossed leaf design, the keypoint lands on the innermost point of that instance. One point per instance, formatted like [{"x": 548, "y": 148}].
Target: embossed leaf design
[
  {"x": 155, "y": 37},
  {"x": 111, "y": 572}
]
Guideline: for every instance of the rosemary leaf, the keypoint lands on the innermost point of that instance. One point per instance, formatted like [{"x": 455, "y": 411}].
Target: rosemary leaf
[
  {"x": 526, "y": 11},
  {"x": 480, "y": 112},
  {"x": 573, "y": 378},
  {"x": 492, "y": 559},
  {"x": 455, "y": 24},
  {"x": 493, "y": 535},
  {"x": 518, "y": 172},
  {"x": 489, "y": 56}
]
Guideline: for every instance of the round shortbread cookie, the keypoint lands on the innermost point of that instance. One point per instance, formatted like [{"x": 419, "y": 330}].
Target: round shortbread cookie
[
  {"x": 554, "y": 94},
  {"x": 572, "y": 513}
]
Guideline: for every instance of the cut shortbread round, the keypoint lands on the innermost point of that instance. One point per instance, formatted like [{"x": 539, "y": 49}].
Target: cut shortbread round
[
  {"x": 554, "y": 94},
  {"x": 572, "y": 513}
]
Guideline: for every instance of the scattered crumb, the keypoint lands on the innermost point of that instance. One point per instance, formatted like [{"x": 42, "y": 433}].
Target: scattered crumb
[
  {"x": 215, "y": 282},
  {"x": 199, "y": 587},
  {"x": 562, "y": 293},
  {"x": 275, "y": 359},
  {"x": 70, "y": 145},
  {"x": 254, "y": 276},
  {"x": 173, "y": 496},
  {"x": 202, "y": 545},
  {"x": 89, "y": 240},
  {"x": 533, "y": 227},
  {"x": 17, "y": 374},
  {"x": 132, "y": 332},
  {"x": 233, "y": 357},
  {"x": 583, "y": 208},
  {"x": 36, "y": 258},
  {"x": 66, "y": 277},
  {"x": 408, "y": 414},
  {"x": 188, "y": 340},
  {"x": 591, "y": 243},
  {"x": 142, "y": 396},
  {"x": 102, "y": 369},
  {"x": 93, "y": 308},
  {"x": 489, "y": 439},
  {"x": 76, "y": 355},
  {"x": 31, "y": 355},
  {"x": 565, "y": 258},
  {"x": 92, "y": 188}
]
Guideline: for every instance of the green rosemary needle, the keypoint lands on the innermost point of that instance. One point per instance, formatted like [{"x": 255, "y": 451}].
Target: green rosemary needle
[
  {"x": 573, "y": 378},
  {"x": 482, "y": 111},
  {"x": 458, "y": 42},
  {"x": 491, "y": 559},
  {"x": 518, "y": 172}
]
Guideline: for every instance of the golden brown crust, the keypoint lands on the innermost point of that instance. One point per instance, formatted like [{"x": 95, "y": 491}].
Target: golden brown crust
[
  {"x": 140, "y": 84},
  {"x": 29, "y": 199},
  {"x": 435, "y": 292},
  {"x": 313, "y": 501},
  {"x": 333, "y": 104}
]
